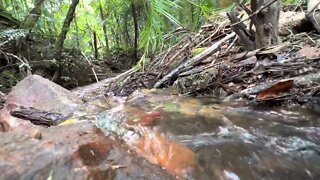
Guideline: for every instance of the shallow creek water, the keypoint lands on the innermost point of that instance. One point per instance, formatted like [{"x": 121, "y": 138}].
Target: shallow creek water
[{"x": 202, "y": 138}]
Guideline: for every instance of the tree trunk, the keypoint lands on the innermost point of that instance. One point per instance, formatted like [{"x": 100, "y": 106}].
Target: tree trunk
[
  {"x": 77, "y": 30},
  {"x": 125, "y": 28},
  {"x": 119, "y": 31},
  {"x": 313, "y": 13},
  {"x": 136, "y": 30},
  {"x": 95, "y": 45},
  {"x": 31, "y": 20},
  {"x": 105, "y": 32},
  {"x": 266, "y": 22},
  {"x": 65, "y": 28}
]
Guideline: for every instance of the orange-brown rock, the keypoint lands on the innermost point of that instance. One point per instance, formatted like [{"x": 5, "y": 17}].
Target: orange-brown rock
[{"x": 73, "y": 151}]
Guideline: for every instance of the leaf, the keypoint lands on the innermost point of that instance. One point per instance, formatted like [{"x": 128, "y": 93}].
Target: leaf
[
  {"x": 274, "y": 90},
  {"x": 197, "y": 51},
  {"x": 69, "y": 121},
  {"x": 149, "y": 118}
]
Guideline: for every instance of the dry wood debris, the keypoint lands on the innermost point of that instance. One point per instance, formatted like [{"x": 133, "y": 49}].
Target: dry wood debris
[{"x": 223, "y": 68}]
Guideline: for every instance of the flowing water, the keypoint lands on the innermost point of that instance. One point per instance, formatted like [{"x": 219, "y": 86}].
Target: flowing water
[{"x": 203, "y": 138}]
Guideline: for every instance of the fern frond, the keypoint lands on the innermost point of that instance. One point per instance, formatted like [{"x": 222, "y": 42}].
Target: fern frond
[{"x": 9, "y": 35}]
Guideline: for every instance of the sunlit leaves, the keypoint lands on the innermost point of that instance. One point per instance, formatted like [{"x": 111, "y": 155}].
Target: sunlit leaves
[
  {"x": 155, "y": 18},
  {"x": 152, "y": 35}
]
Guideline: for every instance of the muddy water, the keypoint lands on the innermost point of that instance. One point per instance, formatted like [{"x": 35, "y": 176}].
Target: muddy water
[{"x": 202, "y": 138}]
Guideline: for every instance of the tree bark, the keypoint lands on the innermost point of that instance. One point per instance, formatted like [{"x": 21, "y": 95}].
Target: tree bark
[
  {"x": 119, "y": 30},
  {"x": 266, "y": 22},
  {"x": 95, "y": 45},
  {"x": 313, "y": 13},
  {"x": 65, "y": 28},
  {"x": 104, "y": 27},
  {"x": 31, "y": 20}
]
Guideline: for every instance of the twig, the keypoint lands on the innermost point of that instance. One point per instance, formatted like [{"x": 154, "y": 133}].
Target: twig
[
  {"x": 94, "y": 72},
  {"x": 233, "y": 42},
  {"x": 198, "y": 58},
  {"x": 254, "y": 13},
  {"x": 24, "y": 63},
  {"x": 218, "y": 29}
]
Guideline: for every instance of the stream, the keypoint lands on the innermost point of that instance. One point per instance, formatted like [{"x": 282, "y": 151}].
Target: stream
[{"x": 204, "y": 138}]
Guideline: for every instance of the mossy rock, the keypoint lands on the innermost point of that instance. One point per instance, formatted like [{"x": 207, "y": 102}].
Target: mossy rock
[{"x": 196, "y": 81}]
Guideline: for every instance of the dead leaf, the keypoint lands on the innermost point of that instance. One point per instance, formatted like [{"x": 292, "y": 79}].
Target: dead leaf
[
  {"x": 274, "y": 90},
  {"x": 148, "y": 118},
  {"x": 309, "y": 52}
]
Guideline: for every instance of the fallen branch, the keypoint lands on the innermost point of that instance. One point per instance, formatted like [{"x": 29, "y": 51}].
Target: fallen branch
[
  {"x": 198, "y": 58},
  {"x": 300, "y": 81},
  {"x": 90, "y": 64}
]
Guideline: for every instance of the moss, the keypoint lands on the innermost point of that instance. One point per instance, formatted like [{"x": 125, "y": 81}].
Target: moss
[{"x": 197, "y": 51}]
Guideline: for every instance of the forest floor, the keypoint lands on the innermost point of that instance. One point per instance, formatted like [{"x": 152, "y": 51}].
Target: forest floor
[
  {"x": 34, "y": 55},
  {"x": 213, "y": 63}
]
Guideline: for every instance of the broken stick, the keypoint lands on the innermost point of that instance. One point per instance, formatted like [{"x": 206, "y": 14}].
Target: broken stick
[{"x": 197, "y": 59}]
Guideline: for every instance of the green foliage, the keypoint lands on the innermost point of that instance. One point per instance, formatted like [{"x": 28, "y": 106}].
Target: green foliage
[
  {"x": 291, "y": 1},
  {"x": 156, "y": 18},
  {"x": 151, "y": 36},
  {"x": 197, "y": 51},
  {"x": 9, "y": 79},
  {"x": 9, "y": 35}
]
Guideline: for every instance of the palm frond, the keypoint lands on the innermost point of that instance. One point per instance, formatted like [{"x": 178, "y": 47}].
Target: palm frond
[{"x": 152, "y": 34}]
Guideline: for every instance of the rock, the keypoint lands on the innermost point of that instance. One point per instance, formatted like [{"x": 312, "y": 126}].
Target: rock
[
  {"x": 40, "y": 93},
  {"x": 291, "y": 22},
  {"x": 73, "y": 151},
  {"x": 195, "y": 81}
]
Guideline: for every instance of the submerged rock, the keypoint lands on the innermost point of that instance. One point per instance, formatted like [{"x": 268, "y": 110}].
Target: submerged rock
[{"x": 74, "y": 151}]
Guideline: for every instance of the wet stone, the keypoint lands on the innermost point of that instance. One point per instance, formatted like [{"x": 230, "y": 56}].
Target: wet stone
[{"x": 73, "y": 151}]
